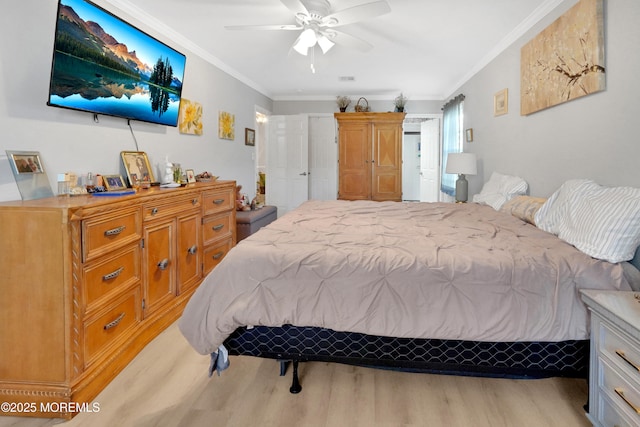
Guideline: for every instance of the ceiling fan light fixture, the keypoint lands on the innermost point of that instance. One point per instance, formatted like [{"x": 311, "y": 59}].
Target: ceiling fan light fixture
[
  {"x": 307, "y": 39},
  {"x": 325, "y": 44}
]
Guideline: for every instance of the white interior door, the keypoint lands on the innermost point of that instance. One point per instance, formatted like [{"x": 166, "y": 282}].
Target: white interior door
[
  {"x": 323, "y": 158},
  {"x": 287, "y": 179},
  {"x": 411, "y": 166},
  {"x": 430, "y": 160}
]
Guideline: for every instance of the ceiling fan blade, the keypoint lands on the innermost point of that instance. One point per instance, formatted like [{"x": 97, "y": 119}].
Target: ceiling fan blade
[
  {"x": 264, "y": 27},
  {"x": 295, "y": 6},
  {"x": 356, "y": 13},
  {"x": 347, "y": 40}
]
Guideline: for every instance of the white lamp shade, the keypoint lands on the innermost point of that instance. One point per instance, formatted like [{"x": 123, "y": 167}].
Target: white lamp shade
[
  {"x": 462, "y": 163},
  {"x": 325, "y": 44},
  {"x": 307, "y": 39}
]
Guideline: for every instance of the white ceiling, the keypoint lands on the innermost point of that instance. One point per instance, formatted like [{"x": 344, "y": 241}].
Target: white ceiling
[{"x": 423, "y": 48}]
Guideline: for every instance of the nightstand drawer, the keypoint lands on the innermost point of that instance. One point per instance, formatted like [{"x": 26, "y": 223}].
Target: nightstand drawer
[
  {"x": 108, "y": 232},
  {"x": 111, "y": 274},
  {"x": 216, "y": 228},
  {"x": 622, "y": 352},
  {"x": 624, "y": 393},
  {"x": 611, "y": 415},
  {"x": 104, "y": 329},
  {"x": 218, "y": 201},
  {"x": 214, "y": 254}
]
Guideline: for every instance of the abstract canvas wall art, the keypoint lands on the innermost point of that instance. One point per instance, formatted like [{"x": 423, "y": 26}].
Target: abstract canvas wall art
[{"x": 565, "y": 61}]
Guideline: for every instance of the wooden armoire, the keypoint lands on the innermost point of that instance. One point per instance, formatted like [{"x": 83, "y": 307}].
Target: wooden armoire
[{"x": 370, "y": 156}]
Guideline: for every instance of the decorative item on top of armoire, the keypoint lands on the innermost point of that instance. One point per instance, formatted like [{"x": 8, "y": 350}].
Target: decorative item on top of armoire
[
  {"x": 370, "y": 156},
  {"x": 399, "y": 102},
  {"x": 343, "y": 102},
  {"x": 566, "y": 60},
  {"x": 226, "y": 125},
  {"x": 362, "y": 106},
  {"x": 190, "y": 117}
]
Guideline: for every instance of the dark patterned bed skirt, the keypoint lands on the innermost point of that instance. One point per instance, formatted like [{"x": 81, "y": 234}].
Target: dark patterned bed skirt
[{"x": 501, "y": 359}]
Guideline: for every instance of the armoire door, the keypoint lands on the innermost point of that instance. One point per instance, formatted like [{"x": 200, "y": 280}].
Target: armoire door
[
  {"x": 386, "y": 168},
  {"x": 354, "y": 156}
]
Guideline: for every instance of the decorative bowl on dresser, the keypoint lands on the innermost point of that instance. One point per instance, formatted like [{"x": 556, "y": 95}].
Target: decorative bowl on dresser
[
  {"x": 88, "y": 281},
  {"x": 614, "y": 375}
]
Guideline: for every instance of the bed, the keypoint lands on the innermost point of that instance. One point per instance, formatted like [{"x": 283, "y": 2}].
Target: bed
[{"x": 435, "y": 287}]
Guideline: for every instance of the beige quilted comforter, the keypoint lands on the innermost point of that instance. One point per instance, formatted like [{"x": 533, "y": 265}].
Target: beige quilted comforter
[{"x": 418, "y": 270}]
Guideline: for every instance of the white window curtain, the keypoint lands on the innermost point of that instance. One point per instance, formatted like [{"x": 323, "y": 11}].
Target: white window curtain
[{"x": 451, "y": 140}]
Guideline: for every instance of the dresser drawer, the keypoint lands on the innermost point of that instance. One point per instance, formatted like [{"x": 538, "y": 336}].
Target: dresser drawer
[
  {"x": 616, "y": 385},
  {"x": 104, "y": 329},
  {"x": 109, "y": 232},
  {"x": 611, "y": 414},
  {"x": 217, "y": 227},
  {"x": 158, "y": 210},
  {"x": 214, "y": 254},
  {"x": 620, "y": 350},
  {"x": 110, "y": 274},
  {"x": 218, "y": 201}
]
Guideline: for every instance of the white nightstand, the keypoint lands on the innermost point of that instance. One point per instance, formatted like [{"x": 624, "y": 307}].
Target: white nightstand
[{"x": 614, "y": 376}]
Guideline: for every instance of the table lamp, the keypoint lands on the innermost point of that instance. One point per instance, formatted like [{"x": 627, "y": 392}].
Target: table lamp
[{"x": 462, "y": 164}]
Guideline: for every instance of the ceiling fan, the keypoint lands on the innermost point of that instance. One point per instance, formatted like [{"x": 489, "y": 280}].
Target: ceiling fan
[{"x": 317, "y": 22}]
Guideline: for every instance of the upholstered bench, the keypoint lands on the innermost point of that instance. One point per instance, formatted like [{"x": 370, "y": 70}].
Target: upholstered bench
[{"x": 248, "y": 222}]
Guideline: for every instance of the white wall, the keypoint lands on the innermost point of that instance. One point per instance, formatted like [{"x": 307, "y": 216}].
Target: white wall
[
  {"x": 594, "y": 137},
  {"x": 70, "y": 141}
]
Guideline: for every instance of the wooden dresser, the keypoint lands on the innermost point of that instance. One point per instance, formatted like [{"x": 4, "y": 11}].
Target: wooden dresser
[
  {"x": 370, "y": 156},
  {"x": 614, "y": 376},
  {"x": 86, "y": 282}
]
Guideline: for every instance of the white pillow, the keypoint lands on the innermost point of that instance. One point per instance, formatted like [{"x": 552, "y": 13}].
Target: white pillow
[
  {"x": 603, "y": 222},
  {"x": 499, "y": 189},
  {"x": 554, "y": 211}
]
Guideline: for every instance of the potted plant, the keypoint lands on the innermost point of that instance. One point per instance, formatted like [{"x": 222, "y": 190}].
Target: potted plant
[
  {"x": 400, "y": 101},
  {"x": 343, "y": 102}
]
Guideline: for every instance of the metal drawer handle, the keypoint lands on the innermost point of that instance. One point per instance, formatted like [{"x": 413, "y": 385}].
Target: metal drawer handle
[
  {"x": 620, "y": 393},
  {"x": 218, "y": 227},
  {"x": 623, "y": 356},
  {"x": 115, "y": 231},
  {"x": 112, "y": 275},
  {"x": 194, "y": 202},
  {"x": 162, "y": 265},
  {"x": 114, "y": 323},
  {"x": 218, "y": 201},
  {"x": 154, "y": 211},
  {"x": 218, "y": 255},
  {"x": 193, "y": 249}
]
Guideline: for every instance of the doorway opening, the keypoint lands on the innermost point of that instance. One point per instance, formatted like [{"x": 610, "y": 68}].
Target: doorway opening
[{"x": 421, "y": 158}]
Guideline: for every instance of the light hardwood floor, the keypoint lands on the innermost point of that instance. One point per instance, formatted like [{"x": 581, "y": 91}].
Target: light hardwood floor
[{"x": 167, "y": 385}]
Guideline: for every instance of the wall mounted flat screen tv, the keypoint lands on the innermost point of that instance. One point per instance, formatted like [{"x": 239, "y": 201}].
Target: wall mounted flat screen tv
[{"x": 103, "y": 65}]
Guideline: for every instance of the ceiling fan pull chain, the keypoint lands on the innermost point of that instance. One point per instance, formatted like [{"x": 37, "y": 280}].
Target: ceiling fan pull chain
[{"x": 313, "y": 58}]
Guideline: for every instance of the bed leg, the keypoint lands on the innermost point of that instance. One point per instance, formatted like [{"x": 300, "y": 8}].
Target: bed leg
[
  {"x": 295, "y": 385},
  {"x": 284, "y": 364}
]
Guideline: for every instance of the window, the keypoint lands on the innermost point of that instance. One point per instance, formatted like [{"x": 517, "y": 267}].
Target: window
[{"x": 452, "y": 123}]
